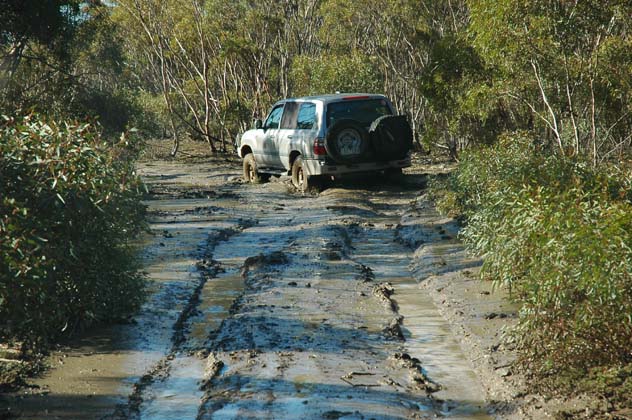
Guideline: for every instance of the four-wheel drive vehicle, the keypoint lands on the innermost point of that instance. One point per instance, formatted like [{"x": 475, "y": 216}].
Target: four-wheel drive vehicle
[{"x": 323, "y": 136}]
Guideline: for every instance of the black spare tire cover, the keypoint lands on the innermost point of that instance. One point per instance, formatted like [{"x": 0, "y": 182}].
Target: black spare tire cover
[
  {"x": 348, "y": 142},
  {"x": 391, "y": 136}
]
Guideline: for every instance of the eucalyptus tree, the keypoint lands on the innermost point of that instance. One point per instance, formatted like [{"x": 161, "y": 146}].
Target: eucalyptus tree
[
  {"x": 34, "y": 41},
  {"x": 50, "y": 23},
  {"x": 566, "y": 66},
  {"x": 421, "y": 53}
]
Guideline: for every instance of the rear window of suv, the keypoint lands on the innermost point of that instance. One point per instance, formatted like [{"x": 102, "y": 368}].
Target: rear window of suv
[{"x": 364, "y": 111}]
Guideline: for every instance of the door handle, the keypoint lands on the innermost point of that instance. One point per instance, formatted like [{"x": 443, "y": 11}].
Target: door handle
[{"x": 290, "y": 137}]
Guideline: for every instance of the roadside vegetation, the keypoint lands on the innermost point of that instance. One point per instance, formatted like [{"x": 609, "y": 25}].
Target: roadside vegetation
[
  {"x": 69, "y": 197},
  {"x": 558, "y": 234},
  {"x": 547, "y": 203},
  {"x": 69, "y": 206}
]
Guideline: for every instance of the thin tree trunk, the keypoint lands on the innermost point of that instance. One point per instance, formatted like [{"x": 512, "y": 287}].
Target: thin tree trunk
[
  {"x": 593, "y": 126},
  {"x": 553, "y": 124},
  {"x": 570, "y": 105}
]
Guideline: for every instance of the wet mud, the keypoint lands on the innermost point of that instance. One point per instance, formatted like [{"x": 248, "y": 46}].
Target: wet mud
[{"x": 265, "y": 303}]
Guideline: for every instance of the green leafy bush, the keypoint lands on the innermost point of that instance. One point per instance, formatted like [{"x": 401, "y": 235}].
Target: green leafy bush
[
  {"x": 69, "y": 204},
  {"x": 558, "y": 233}
]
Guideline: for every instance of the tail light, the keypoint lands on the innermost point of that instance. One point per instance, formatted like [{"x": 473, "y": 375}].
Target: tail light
[{"x": 319, "y": 147}]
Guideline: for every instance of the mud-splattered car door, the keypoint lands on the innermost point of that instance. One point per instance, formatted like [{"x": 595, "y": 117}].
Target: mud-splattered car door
[
  {"x": 287, "y": 135},
  {"x": 269, "y": 148},
  {"x": 307, "y": 128}
]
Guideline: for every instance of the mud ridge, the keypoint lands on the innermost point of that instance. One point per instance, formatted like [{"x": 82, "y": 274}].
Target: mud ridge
[
  {"x": 259, "y": 261},
  {"x": 254, "y": 272},
  {"x": 417, "y": 374},
  {"x": 394, "y": 329},
  {"x": 341, "y": 247},
  {"x": 208, "y": 269},
  {"x": 213, "y": 367},
  {"x": 383, "y": 293},
  {"x": 366, "y": 274}
]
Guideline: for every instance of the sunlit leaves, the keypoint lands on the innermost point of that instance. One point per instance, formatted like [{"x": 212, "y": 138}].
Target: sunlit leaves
[
  {"x": 558, "y": 234},
  {"x": 69, "y": 203},
  {"x": 564, "y": 66}
]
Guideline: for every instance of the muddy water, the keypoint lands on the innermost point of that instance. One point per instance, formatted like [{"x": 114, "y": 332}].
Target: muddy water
[
  {"x": 428, "y": 336},
  {"x": 310, "y": 337},
  {"x": 94, "y": 374},
  {"x": 266, "y": 303}
]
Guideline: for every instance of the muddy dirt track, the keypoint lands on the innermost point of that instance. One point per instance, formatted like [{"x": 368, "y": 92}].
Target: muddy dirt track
[{"x": 264, "y": 303}]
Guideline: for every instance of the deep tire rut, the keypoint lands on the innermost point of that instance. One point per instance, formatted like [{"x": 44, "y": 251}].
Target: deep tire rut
[{"x": 310, "y": 325}]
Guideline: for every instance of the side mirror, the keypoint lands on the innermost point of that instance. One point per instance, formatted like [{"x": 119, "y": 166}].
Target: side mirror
[{"x": 258, "y": 124}]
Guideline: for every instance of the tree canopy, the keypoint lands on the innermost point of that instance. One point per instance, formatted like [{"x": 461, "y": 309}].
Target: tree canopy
[{"x": 464, "y": 71}]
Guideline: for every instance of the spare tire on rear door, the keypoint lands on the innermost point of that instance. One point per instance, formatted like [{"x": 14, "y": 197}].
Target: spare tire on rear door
[
  {"x": 348, "y": 142},
  {"x": 391, "y": 136}
]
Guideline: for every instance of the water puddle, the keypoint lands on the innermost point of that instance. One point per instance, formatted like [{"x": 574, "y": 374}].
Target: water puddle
[
  {"x": 216, "y": 299},
  {"x": 299, "y": 331},
  {"x": 179, "y": 395},
  {"x": 428, "y": 336}
]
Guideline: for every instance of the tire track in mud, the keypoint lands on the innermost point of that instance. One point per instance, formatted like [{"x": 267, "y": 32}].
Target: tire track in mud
[
  {"x": 158, "y": 394},
  {"x": 207, "y": 269},
  {"x": 308, "y": 338},
  {"x": 321, "y": 326},
  {"x": 426, "y": 335}
]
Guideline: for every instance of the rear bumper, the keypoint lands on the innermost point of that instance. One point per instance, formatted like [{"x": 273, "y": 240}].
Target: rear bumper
[{"x": 321, "y": 167}]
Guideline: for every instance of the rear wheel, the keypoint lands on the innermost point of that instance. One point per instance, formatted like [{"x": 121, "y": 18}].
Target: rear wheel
[
  {"x": 394, "y": 174},
  {"x": 300, "y": 179},
  {"x": 251, "y": 170}
]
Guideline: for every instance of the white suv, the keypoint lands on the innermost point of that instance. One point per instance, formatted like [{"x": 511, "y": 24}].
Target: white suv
[{"x": 323, "y": 136}]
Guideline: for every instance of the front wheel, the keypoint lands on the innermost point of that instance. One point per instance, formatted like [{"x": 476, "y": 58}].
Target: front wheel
[
  {"x": 300, "y": 179},
  {"x": 251, "y": 171}
]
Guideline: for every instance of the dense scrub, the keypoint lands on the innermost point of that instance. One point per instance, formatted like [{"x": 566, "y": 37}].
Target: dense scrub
[
  {"x": 459, "y": 69},
  {"x": 558, "y": 233},
  {"x": 69, "y": 204}
]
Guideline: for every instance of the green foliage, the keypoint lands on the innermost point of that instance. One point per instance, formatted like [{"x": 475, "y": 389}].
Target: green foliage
[
  {"x": 12, "y": 375},
  {"x": 563, "y": 67},
  {"x": 463, "y": 71},
  {"x": 47, "y": 22},
  {"x": 613, "y": 382},
  {"x": 464, "y": 108},
  {"x": 66, "y": 63},
  {"x": 69, "y": 204},
  {"x": 331, "y": 73},
  {"x": 558, "y": 233}
]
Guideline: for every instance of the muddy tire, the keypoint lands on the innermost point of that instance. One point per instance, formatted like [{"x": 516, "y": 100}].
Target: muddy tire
[
  {"x": 348, "y": 142},
  {"x": 394, "y": 174},
  {"x": 391, "y": 136},
  {"x": 300, "y": 179},
  {"x": 251, "y": 170}
]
